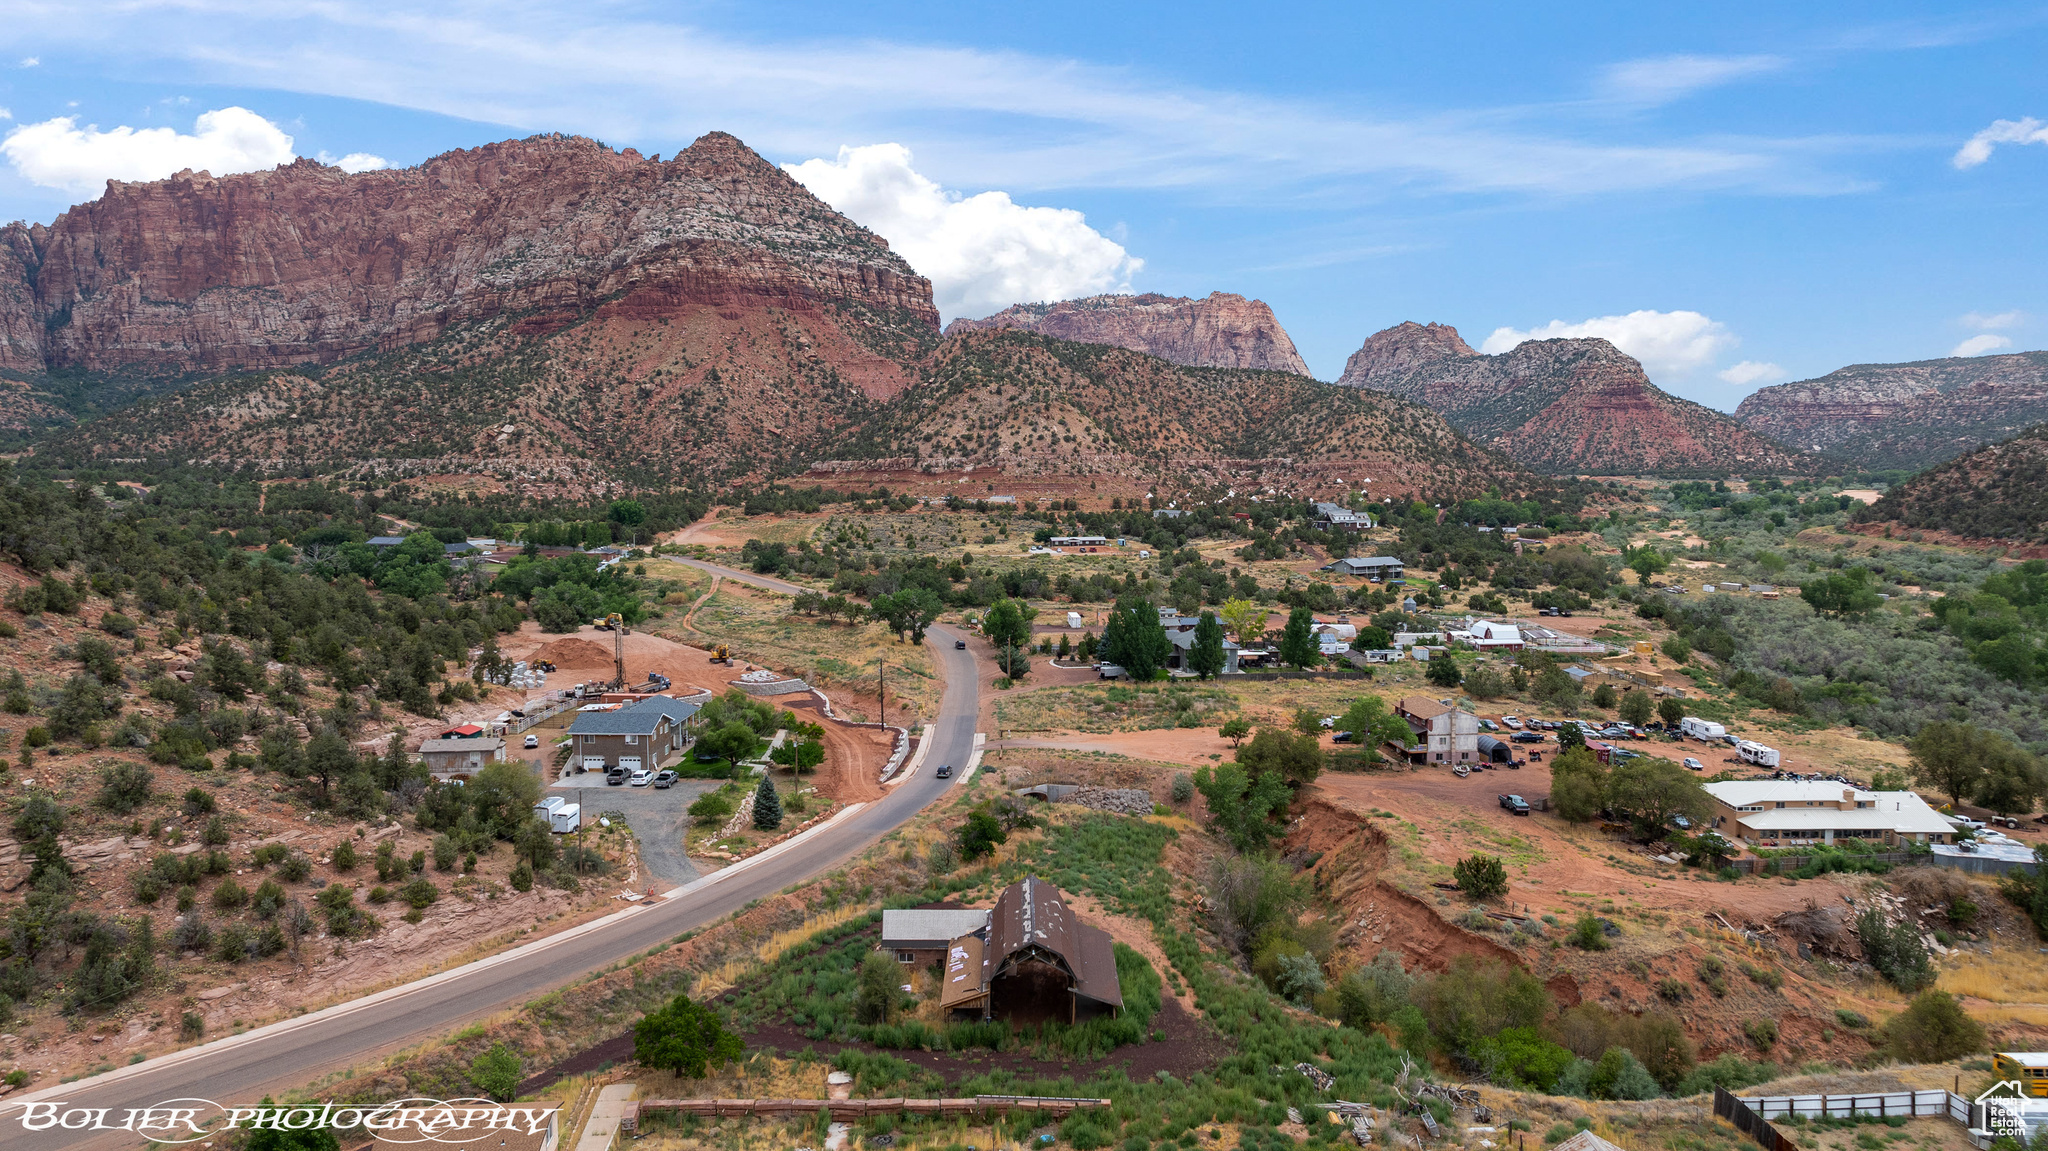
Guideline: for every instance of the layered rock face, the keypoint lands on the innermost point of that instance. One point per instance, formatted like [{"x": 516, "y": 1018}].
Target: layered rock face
[
  {"x": 306, "y": 264},
  {"x": 1999, "y": 491},
  {"x": 1393, "y": 354},
  {"x": 1578, "y": 407},
  {"x": 1906, "y": 415},
  {"x": 1222, "y": 331}
]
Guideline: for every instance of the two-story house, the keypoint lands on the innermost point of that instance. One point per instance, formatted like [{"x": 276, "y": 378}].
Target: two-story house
[
  {"x": 648, "y": 733},
  {"x": 1442, "y": 733}
]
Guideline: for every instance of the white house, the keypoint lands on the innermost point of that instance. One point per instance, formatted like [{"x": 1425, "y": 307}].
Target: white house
[{"x": 1786, "y": 812}]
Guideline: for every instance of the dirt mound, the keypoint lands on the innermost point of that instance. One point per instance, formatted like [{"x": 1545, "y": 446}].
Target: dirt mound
[{"x": 573, "y": 652}]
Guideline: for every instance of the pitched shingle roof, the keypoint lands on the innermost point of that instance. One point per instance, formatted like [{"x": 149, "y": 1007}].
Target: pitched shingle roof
[{"x": 633, "y": 719}]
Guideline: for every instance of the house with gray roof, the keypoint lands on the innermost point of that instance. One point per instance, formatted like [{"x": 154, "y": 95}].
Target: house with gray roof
[
  {"x": 1327, "y": 516},
  {"x": 1369, "y": 567},
  {"x": 648, "y": 733}
]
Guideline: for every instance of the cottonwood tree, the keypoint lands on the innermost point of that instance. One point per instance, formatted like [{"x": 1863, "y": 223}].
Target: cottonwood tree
[
  {"x": 1578, "y": 784},
  {"x": 1240, "y": 803},
  {"x": 1245, "y": 620},
  {"x": 1648, "y": 792},
  {"x": 685, "y": 1038},
  {"x": 1949, "y": 757},
  {"x": 1296, "y": 758}
]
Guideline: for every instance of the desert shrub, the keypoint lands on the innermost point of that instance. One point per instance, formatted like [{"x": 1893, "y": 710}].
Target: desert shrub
[
  {"x": 1481, "y": 876},
  {"x": 1670, "y": 990},
  {"x": 1183, "y": 787},
  {"x": 1769, "y": 977},
  {"x": 1620, "y": 1075},
  {"x": 1475, "y": 999},
  {"x": 445, "y": 853},
  {"x": 230, "y": 895},
  {"x": 1894, "y": 950},
  {"x": 1522, "y": 1057},
  {"x": 522, "y": 876},
  {"x": 1587, "y": 934},
  {"x": 1762, "y": 1031},
  {"x": 345, "y": 855},
  {"x": 1731, "y": 1072},
  {"x": 294, "y": 867},
  {"x": 1853, "y": 1020},
  {"x": 419, "y": 893},
  {"x": 878, "y": 995},
  {"x": 1933, "y": 1028},
  {"x": 1373, "y": 993},
  {"x": 124, "y": 787}
]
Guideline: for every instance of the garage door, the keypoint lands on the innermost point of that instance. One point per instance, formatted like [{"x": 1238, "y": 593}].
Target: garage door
[
  {"x": 593, "y": 763},
  {"x": 630, "y": 762}
]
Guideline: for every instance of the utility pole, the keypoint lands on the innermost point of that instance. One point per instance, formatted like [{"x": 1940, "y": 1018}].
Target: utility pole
[{"x": 882, "y": 691}]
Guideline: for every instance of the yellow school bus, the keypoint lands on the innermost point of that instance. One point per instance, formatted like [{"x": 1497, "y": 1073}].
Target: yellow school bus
[{"x": 2026, "y": 1067}]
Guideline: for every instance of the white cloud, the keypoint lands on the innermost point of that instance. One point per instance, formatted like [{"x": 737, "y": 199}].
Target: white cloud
[
  {"x": 2025, "y": 130},
  {"x": 1978, "y": 345},
  {"x": 355, "y": 161},
  {"x": 981, "y": 253},
  {"x": 1666, "y": 343},
  {"x": 59, "y": 154},
  {"x": 30, "y": 61},
  {"x": 1750, "y": 372},
  {"x": 1986, "y": 323},
  {"x": 5, "y": 114},
  {"x": 1012, "y": 119},
  {"x": 1660, "y": 79}
]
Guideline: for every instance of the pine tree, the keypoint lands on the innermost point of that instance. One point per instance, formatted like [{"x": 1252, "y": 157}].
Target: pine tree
[
  {"x": 1206, "y": 657},
  {"x": 767, "y": 806}
]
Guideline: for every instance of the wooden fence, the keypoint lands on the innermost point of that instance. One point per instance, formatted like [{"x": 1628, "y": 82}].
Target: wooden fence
[
  {"x": 1747, "y": 1121},
  {"x": 854, "y": 1109}
]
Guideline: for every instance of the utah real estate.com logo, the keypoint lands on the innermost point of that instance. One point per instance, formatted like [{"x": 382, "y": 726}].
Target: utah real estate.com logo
[{"x": 2001, "y": 1102}]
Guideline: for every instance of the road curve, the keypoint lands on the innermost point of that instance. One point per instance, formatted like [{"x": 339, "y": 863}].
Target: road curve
[{"x": 293, "y": 1052}]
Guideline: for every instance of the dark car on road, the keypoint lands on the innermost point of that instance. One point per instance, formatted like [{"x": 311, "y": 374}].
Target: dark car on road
[
  {"x": 959, "y": 645},
  {"x": 1514, "y": 804},
  {"x": 1527, "y": 737},
  {"x": 945, "y": 771}
]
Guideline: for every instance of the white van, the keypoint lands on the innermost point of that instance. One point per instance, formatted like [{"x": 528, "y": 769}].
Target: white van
[
  {"x": 1756, "y": 753},
  {"x": 1698, "y": 728}
]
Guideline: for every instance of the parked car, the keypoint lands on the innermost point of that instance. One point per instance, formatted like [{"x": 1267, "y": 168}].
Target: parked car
[
  {"x": 1681, "y": 823},
  {"x": 959, "y": 645},
  {"x": 1514, "y": 804},
  {"x": 642, "y": 777},
  {"x": 1341, "y": 737},
  {"x": 945, "y": 771},
  {"x": 1488, "y": 725},
  {"x": 1527, "y": 737},
  {"x": 1692, "y": 764},
  {"x": 615, "y": 777},
  {"x": 1511, "y": 721},
  {"x": 665, "y": 778},
  {"x": 532, "y": 740}
]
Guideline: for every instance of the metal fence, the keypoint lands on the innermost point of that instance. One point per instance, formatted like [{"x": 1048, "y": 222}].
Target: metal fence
[
  {"x": 1881, "y": 1104},
  {"x": 1747, "y": 1121}
]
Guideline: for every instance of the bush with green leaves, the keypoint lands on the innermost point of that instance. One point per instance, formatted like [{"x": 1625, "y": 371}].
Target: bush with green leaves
[
  {"x": 1588, "y": 933},
  {"x": 1762, "y": 1031},
  {"x": 1894, "y": 950},
  {"x": 684, "y": 1038},
  {"x": 1481, "y": 876},
  {"x": 878, "y": 995},
  {"x": 344, "y": 856},
  {"x": 497, "y": 1072},
  {"x": 124, "y": 787},
  {"x": 420, "y": 893},
  {"x": 1933, "y": 1028},
  {"x": 1730, "y": 1072}
]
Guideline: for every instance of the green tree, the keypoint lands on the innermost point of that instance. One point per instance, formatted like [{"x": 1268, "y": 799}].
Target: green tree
[
  {"x": 1294, "y": 757},
  {"x": 1486, "y": 683},
  {"x": 1842, "y": 593},
  {"x": 1648, "y": 792},
  {"x": 2010, "y": 783},
  {"x": 1676, "y": 649},
  {"x": 1206, "y": 657},
  {"x": 1008, "y": 626},
  {"x": 1240, "y": 805},
  {"x": 909, "y": 612},
  {"x": 263, "y": 1136},
  {"x": 1605, "y": 696},
  {"x": 1244, "y": 619},
  {"x": 1373, "y": 725},
  {"x": 1949, "y": 757},
  {"x": 1578, "y": 785},
  {"x": 1372, "y": 637},
  {"x": 1481, "y": 876},
  {"x": 497, "y": 1072},
  {"x": 1135, "y": 640},
  {"x": 38, "y": 824},
  {"x": 1235, "y": 729},
  {"x": 733, "y": 740},
  {"x": 802, "y": 752},
  {"x": 1570, "y": 736},
  {"x": 874, "y": 1000},
  {"x": 1670, "y": 711},
  {"x": 980, "y": 834},
  {"x": 1636, "y": 707},
  {"x": 684, "y": 1038},
  {"x": 1645, "y": 561},
  {"x": 1443, "y": 671},
  {"x": 1476, "y": 998},
  {"x": 767, "y": 805},
  {"x": 1933, "y": 1028},
  {"x": 1298, "y": 640}
]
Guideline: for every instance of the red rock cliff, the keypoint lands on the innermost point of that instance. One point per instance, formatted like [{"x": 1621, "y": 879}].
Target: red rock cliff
[
  {"x": 307, "y": 264},
  {"x": 1222, "y": 331}
]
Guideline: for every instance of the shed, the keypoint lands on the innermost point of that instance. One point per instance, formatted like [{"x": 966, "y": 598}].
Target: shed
[
  {"x": 461, "y": 758},
  {"x": 1039, "y": 962},
  {"x": 1496, "y": 750},
  {"x": 921, "y": 935}
]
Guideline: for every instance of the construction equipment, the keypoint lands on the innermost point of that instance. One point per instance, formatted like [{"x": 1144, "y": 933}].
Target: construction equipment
[
  {"x": 543, "y": 665},
  {"x": 722, "y": 654},
  {"x": 616, "y": 625}
]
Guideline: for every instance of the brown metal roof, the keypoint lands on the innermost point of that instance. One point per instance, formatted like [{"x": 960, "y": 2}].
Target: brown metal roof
[
  {"x": 965, "y": 983},
  {"x": 1034, "y": 914}
]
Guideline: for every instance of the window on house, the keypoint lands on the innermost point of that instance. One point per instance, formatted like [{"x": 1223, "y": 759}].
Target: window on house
[{"x": 631, "y": 739}]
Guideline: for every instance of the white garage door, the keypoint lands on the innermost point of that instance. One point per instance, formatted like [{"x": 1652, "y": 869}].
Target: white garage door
[
  {"x": 630, "y": 762},
  {"x": 593, "y": 763}
]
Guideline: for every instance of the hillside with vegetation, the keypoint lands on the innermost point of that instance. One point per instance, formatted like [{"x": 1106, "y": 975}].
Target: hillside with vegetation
[{"x": 1997, "y": 492}]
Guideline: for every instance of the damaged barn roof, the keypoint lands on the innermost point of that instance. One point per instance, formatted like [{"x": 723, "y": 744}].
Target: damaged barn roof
[{"x": 1033, "y": 914}]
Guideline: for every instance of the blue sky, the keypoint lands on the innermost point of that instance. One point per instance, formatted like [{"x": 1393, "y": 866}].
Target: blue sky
[{"x": 1785, "y": 187}]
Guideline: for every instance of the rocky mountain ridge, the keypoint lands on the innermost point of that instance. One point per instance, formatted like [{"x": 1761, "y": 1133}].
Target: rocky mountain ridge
[
  {"x": 1908, "y": 415},
  {"x": 1996, "y": 492},
  {"x": 1222, "y": 330},
  {"x": 1567, "y": 407},
  {"x": 305, "y": 264}
]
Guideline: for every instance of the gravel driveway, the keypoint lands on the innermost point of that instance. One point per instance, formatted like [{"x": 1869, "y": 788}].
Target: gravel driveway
[{"x": 658, "y": 816}]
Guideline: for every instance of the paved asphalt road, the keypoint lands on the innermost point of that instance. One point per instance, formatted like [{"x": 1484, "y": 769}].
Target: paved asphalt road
[{"x": 240, "y": 1070}]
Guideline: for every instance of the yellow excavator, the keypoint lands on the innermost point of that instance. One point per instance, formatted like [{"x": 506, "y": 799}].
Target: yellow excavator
[{"x": 722, "y": 654}]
